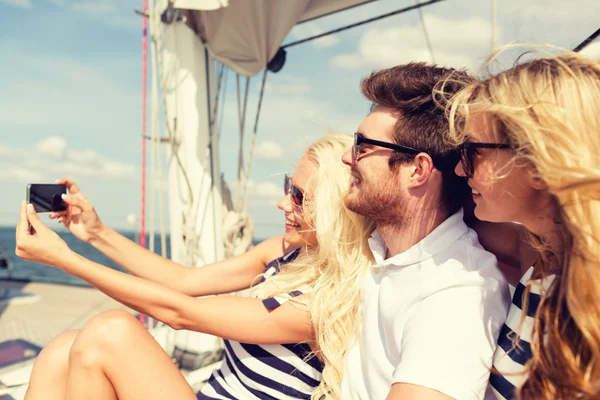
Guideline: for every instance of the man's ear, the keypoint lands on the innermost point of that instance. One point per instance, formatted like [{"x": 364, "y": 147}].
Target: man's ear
[{"x": 422, "y": 169}]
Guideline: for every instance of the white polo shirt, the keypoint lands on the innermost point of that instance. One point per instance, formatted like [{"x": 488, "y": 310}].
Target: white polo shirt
[{"x": 431, "y": 317}]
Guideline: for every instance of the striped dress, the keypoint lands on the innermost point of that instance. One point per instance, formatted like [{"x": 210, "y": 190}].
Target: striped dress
[
  {"x": 275, "y": 371},
  {"x": 510, "y": 362}
]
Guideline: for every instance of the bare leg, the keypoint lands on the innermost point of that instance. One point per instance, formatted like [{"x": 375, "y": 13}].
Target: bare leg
[
  {"x": 49, "y": 376},
  {"x": 115, "y": 357}
]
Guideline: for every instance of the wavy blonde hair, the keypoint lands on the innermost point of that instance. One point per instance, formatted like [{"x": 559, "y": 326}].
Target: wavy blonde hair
[
  {"x": 549, "y": 110},
  {"x": 335, "y": 267}
]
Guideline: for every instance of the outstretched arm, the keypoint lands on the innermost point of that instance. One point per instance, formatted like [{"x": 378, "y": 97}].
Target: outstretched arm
[
  {"x": 221, "y": 316},
  {"x": 221, "y": 277},
  {"x": 224, "y": 276}
]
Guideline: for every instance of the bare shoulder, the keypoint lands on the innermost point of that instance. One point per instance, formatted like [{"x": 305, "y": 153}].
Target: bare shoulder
[{"x": 272, "y": 248}]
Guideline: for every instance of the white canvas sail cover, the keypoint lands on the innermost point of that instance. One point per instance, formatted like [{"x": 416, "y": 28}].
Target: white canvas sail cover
[{"x": 246, "y": 34}]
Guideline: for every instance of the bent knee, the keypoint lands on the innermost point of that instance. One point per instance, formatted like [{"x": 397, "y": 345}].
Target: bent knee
[
  {"x": 105, "y": 333},
  {"x": 56, "y": 353},
  {"x": 111, "y": 324}
]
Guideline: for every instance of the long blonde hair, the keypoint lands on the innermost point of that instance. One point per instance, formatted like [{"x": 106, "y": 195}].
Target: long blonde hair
[
  {"x": 335, "y": 268},
  {"x": 548, "y": 109}
]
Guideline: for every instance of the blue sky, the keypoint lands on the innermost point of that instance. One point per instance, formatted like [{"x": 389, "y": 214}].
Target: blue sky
[{"x": 70, "y": 103}]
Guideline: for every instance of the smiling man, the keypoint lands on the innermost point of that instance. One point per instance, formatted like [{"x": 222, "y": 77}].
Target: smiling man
[{"x": 434, "y": 299}]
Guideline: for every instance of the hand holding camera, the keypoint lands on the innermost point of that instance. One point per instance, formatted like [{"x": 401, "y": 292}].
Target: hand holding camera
[
  {"x": 79, "y": 217},
  {"x": 39, "y": 244}
]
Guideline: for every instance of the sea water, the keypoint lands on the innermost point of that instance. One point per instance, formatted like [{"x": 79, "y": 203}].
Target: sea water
[{"x": 25, "y": 270}]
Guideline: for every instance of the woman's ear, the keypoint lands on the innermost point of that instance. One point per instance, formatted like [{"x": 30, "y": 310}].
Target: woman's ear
[{"x": 536, "y": 181}]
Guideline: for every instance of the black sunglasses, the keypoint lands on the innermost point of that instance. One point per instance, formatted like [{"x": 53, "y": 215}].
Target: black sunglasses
[
  {"x": 360, "y": 139},
  {"x": 296, "y": 194},
  {"x": 442, "y": 163},
  {"x": 467, "y": 149}
]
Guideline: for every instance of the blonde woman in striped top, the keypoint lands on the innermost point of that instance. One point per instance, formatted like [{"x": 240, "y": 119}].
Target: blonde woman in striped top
[
  {"x": 531, "y": 153},
  {"x": 288, "y": 341}
]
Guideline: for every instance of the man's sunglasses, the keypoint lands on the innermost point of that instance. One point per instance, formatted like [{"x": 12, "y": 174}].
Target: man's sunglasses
[
  {"x": 295, "y": 194},
  {"x": 441, "y": 163},
  {"x": 360, "y": 139},
  {"x": 467, "y": 150}
]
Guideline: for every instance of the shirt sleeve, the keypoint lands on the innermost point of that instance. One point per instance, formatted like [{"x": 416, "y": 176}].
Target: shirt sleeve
[{"x": 448, "y": 341}]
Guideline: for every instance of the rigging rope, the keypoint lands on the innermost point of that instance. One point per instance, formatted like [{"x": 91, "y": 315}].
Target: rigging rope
[
  {"x": 587, "y": 41},
  {"x": 493, "y": 26},
  {"x": 220, "y": 123},
  {"x": 156, "y": 178},
  {"x": 252, "y": 142},
  {"x": 386, "y": 15},
  {"x": 242, "y": 106},
  {"x": 425, "y": 32}
]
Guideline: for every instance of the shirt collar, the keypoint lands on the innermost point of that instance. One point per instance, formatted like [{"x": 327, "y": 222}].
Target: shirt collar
[{"x": 439, "y": 239}]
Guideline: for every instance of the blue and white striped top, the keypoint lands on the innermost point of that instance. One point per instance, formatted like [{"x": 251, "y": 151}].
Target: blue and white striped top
[
  {"x": 275, "y": 371},
  {"x": 510, "y": 360}
]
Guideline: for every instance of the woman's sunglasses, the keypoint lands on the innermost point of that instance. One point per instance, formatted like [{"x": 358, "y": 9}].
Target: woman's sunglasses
[
  {"x": 296, "y": 194},
  {"x": 467, "y": 150}
]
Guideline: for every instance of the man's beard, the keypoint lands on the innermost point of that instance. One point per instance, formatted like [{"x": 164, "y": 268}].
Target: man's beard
[{"x": 383, "y": 206}]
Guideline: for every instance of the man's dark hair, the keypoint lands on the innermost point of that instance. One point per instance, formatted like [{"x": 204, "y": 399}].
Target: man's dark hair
[{"x": 407, "y": 91}]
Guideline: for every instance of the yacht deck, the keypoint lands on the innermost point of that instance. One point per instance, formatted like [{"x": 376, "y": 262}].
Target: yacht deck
[{"x": 37, "y": 319}]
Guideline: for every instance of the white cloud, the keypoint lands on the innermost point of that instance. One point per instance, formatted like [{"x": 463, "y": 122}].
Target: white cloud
[
  {"x": 260, "y": 194},
  {"x": 95, "y": 7},
  {"x": 301, "y": 120},
  {"x": 112, "y": 13},
  {"x": 456, "y": 43},
  {"x": 285, "y": 84},
  {"x": 308, "y": 29},
  {"x": 20, "y": 175},
  {"x": 52, "y": 146},
  {"x": 264, "y": 189},
  {"x": 268, "y": 151},
  {"x": 558, "y": 11},
  {"x": 11, "y": 153},
  {"x": 267, "y": 189},
  {"x": 60, "y": 95},
  {"x": 118, "y": 170},
  {"x": 18, "y": 3},
  {"x": 51, "y": 158},
  {"x": 87, "y": 156},
  {"x": 293, "y": 88}
]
